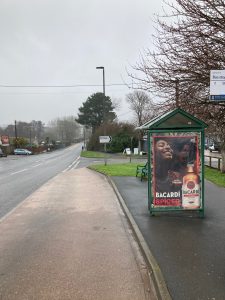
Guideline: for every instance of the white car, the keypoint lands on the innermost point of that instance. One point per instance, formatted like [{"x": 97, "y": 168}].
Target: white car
[
  {"x": 214, "y": 147},
  {"x": 22, "y": 152}
]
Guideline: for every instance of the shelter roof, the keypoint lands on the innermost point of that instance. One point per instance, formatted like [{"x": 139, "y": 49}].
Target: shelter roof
[{"x": 175, "y": 119}]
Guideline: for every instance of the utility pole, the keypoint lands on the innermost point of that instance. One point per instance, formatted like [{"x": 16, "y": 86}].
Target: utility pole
[
  {"x": 15, "y": 134},
  {"x": 30, "y": 136}
]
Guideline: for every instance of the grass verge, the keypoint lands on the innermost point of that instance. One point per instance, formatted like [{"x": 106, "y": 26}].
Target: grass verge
[
  {"x": 129, "y": 169},
  {"x": 215, "y": 176},
  {"x": 92, "y": 154}
]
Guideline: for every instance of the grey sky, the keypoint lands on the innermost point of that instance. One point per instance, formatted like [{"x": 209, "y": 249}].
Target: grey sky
[{"x": 52, "y": 42}]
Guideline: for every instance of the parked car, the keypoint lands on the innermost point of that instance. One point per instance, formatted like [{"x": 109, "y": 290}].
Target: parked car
[
  {"x": 22, "y": 152},
  {"x": 214, "y": 147},
  {"x": 2, "y": 154},
  {"x": 206, "y": 146}
]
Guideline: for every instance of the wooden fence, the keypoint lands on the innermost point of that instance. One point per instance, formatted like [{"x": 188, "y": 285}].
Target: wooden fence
[{"x": 213, "y": 161}]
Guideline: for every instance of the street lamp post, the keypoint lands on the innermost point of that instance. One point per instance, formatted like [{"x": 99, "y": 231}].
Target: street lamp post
[
  {"x": 103, "y": 73},
  {"x": 104, "y": 128},
  {"x": 30, "y": 136}
]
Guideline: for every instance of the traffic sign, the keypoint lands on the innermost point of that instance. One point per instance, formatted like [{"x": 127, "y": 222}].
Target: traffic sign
[
  {"x": 217, "y": 85},
  {"x": 105, "y": 139}
]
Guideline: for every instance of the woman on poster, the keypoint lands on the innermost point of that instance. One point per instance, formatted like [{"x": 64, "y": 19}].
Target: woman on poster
[
  {"x": 163, "y": 163},
  {"x": 171, "y": 155}
]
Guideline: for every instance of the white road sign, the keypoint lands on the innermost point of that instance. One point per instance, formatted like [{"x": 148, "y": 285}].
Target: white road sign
[
  {"x": 217, "y": 85},
  {"x": 104, "y": 139}
]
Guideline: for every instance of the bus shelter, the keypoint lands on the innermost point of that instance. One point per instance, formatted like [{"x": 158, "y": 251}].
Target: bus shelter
[{"x": 175, "y": 162}]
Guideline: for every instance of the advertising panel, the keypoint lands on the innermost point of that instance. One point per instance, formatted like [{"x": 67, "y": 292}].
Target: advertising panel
[
  {"x": 176, "y": 171},
  {"x": 5, "y": 140}
]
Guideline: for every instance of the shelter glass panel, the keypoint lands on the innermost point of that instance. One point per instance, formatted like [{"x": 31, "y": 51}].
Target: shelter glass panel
[{"x": 176, "y": 171}]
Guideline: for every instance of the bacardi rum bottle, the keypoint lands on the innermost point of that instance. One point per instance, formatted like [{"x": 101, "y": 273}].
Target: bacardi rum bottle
[{"x": 190, "y": 190}]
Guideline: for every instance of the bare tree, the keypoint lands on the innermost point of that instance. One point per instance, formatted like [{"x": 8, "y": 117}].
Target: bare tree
[
  {"x": 189, "y": 43},
  {"x": 142, "y": 106},
  {"x": 66, "y": 129}
]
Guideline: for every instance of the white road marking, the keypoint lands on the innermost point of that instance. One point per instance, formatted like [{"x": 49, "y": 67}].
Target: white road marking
[
  {"x": 36, "y": 166},
  {"x": 71, "y": 165},
  {"x": 19, "y": 171},
  {"x": 76, "y": 164}
]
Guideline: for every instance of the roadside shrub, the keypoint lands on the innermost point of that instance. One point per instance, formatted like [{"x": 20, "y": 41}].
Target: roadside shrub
[{"x": 123, "y": 134}]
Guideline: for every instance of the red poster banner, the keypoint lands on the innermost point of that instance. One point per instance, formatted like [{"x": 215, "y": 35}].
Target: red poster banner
[{"x": 176, "y": 172}]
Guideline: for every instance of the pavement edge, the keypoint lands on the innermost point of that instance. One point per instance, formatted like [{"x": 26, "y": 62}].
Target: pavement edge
[{"x": 160, "y": 284}]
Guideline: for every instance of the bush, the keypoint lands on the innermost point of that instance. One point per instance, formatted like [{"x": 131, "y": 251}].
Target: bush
[{"x": 121, "y": 134}]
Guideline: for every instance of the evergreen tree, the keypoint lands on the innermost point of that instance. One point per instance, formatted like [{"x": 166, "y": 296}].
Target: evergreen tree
[{"x": 96, "y": 110}]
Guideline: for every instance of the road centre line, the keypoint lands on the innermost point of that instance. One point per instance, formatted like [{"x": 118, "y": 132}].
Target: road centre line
[{"x": 36, "y": 166}]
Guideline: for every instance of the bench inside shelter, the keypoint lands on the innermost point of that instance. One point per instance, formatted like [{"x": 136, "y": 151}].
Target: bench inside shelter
[{"x": 142, "y": 170}]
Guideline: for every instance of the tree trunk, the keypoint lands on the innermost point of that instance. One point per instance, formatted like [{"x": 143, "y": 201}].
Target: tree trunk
[
  {"x": 139, "y": 145},
  {"x": 223, "y": 161}
]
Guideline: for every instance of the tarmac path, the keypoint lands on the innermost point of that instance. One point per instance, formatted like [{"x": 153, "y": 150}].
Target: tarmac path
[{"x": 190, "y": 251}]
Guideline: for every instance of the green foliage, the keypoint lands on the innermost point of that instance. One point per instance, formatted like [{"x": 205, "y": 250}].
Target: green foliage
[
  {"x": 123, "y": 134},
  {"x": 92, "y": 111},
  {"x": 20, "y": 142},
  {"x": 120, "y": 142}
]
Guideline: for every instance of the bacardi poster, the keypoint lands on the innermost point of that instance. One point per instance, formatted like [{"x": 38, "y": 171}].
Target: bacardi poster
[
  {"x": 5, "y": 140},
  {"x": 175, "y": 172}
]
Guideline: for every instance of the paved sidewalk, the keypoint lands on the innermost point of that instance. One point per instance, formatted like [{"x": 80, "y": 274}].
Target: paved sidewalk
[{"x": 71, "y": 240}]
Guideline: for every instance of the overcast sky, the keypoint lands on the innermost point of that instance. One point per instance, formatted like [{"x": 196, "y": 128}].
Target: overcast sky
[{"x": 60, "y": 43}]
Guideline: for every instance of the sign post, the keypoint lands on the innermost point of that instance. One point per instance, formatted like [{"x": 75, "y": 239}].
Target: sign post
[{"x": 105, "y": 139}]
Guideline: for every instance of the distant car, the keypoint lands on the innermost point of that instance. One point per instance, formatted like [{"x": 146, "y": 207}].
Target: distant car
[
  {"x": 2, "y": 154},
  {"x": 214, "y": 147},
  {"x": 22, "y": 152}
]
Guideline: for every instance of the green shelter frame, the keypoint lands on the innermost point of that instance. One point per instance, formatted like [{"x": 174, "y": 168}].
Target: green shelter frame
[{"x": 175, "y": 123}]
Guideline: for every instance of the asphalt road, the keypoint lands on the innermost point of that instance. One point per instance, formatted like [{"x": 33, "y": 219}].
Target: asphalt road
[
  {"x": 190, "y": 251},
  {"x": 22, "y": 175}
]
